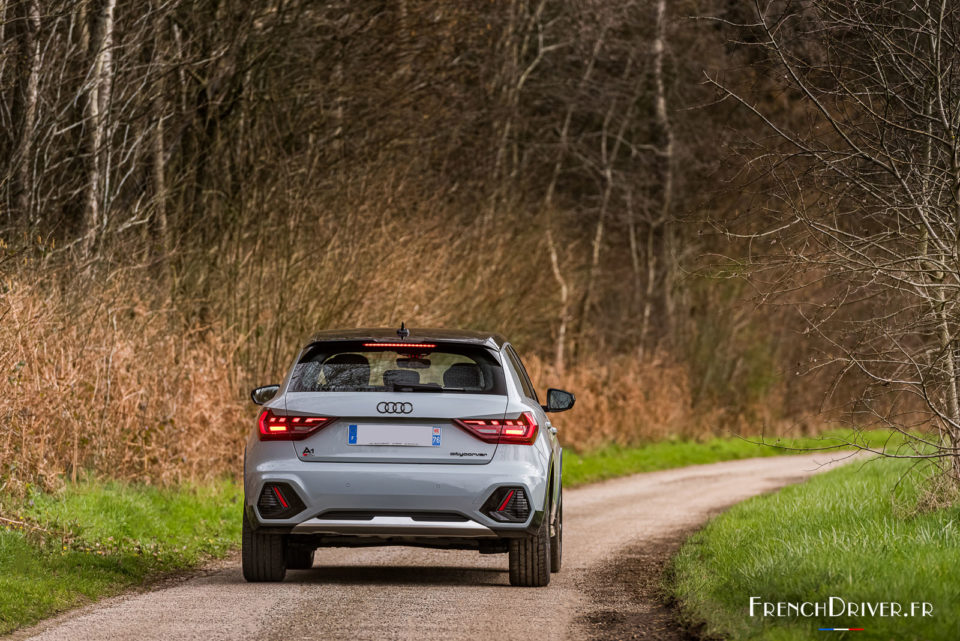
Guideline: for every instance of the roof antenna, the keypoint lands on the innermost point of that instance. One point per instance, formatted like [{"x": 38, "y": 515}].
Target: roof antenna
[{"x": 403, "y": 332}]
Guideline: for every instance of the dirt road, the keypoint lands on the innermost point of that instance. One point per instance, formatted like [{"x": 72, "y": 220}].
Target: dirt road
[{"x": 617, "y": 536}]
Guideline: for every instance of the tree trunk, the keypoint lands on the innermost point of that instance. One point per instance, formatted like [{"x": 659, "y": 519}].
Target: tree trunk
[
  {"x": 339, "y": 145},
  {"x": 666, "y": 154},
  {"x": 648, "y": 293},
  {"x": 98, "y": 102},
  {"x": 159, "y": 179},
  {"x": 949, "y": 350},
  {"x": 27, "y": 107},
  {"x": 559, "y": 355}
]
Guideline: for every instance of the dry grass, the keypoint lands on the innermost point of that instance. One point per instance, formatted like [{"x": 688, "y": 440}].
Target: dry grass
[
  {"x": 621, "y": 400},
  {"x": 105, "y": 375},
  {"x": 628, "y": 401},
  {"x": 97, "y": 380}
]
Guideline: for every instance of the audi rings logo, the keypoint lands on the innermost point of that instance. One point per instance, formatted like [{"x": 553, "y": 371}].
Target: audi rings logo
[{"x": 394, "y": 408}]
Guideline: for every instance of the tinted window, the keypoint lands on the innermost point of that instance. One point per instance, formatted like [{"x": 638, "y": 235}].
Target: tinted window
[
  {"x": 351, "y": 366},
  {"x": 528, "y": 389}
]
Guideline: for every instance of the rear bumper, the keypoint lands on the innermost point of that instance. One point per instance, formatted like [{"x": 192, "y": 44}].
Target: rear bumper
[
  {"x": 394, "y": 526},
  {"x": 390, "y": 490}
]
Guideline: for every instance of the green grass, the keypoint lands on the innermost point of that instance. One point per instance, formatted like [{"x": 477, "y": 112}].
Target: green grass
[
  {"x": 845, "y": 533},
  {"x": 104, "y": 537},
  {"x": 613, "y": 461}
]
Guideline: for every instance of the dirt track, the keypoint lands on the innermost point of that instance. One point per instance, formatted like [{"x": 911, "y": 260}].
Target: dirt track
[{"x": 617, "y": 536}]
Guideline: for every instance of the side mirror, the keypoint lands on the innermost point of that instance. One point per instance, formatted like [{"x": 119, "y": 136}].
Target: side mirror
[
  {"x": 559, "y": 400},
  {"x": 263, "y": 394}
]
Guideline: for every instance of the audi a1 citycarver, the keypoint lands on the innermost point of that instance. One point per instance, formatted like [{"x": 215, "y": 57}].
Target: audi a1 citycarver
[{"x": 422, "y": 437}]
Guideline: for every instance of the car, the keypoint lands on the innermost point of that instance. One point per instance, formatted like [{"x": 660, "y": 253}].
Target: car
[{"x": 420, "y": 437}]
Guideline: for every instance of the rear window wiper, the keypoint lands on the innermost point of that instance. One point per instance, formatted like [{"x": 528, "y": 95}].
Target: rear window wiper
[{"x": 422, "y": 387}]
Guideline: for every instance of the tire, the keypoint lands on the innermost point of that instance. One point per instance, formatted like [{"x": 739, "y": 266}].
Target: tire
[
  {"x": 556, "y": 541},
  {"x": 262, "y": 555},
  {"x": 530, "y": 558},
  {"x": 299, "y": 557}
]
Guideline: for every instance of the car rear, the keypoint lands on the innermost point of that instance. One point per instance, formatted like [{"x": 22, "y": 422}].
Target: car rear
[{"x": 385, "y": 442}]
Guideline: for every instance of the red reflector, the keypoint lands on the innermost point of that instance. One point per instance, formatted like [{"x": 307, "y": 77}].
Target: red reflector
[
  {"x": 289, "y": 428},
  {"x": 424, "y": 345},
  {"x": 516, "y": 431},
  {"x": 502, "y": 505},
  {"x": 283, "y": 502}
]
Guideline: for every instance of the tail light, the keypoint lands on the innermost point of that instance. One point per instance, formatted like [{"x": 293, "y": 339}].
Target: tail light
[
  {"x": 279, "y": 501},
  {"x": 289, "y": 428},
  {"x": 514, "y": 431},
  {"x": 508, "y": 504}
]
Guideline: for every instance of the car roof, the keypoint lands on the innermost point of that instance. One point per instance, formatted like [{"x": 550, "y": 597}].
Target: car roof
[{"x": 389, "y": 334}]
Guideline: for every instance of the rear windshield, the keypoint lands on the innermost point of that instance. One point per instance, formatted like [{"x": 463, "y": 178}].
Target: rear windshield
[{"x": 354, "y": 366}]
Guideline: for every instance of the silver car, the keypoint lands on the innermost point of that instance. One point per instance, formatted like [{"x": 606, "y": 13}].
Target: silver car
[{"x": 430, "y": 438}]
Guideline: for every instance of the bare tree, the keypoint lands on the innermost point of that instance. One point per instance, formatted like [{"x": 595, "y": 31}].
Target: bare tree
[
  {"x": 563, "y": 148},
  {"x": 158, "y": 143},
  {"x": 659, "y": 242},
  {"x": 225, "y": 144},
  {"x": 97, "y": 119},
  {"x": 868, "y": 208},
  {"x": 27, "y": 106},
  {"x": 611, "y": 140}
]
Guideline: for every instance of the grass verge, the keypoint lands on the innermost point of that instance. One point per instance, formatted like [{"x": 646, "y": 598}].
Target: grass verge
[
  {"x": 95, "y": 539},
  {"x": 852, "y": 533},
  {"x": 614, "y": 460}
]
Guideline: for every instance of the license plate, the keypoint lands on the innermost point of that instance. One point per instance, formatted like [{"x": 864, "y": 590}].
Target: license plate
[{"x": 394, "y": 435}]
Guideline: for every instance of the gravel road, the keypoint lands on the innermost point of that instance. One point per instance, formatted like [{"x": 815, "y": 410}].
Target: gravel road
[{"x": 617, "y": 537}]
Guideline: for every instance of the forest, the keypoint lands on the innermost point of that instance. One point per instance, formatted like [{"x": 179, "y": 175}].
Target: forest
[{"x": 702, "y": 216}]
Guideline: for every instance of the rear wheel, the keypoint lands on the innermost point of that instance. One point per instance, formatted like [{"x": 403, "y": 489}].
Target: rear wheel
[
  {"x": 262, "y": 555},
  {"x": 299, "y": 557},
  {"x": 530, "y": 558},
  {"x": 556, "y": 541}
]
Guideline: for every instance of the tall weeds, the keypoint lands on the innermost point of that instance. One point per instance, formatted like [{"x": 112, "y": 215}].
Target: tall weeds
[
  {"x": 98, "y": 379},
  {"x": 136, "y": 375}
]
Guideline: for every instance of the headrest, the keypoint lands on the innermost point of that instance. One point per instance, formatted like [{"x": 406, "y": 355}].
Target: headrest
[
  {"x": 463, "y": 375},
  {"x": 401, "y": 377}
]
